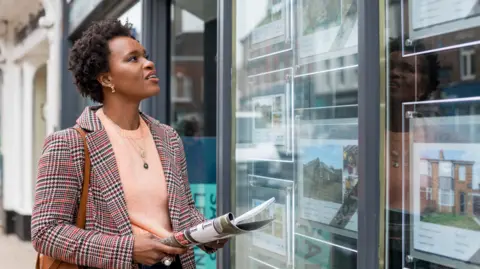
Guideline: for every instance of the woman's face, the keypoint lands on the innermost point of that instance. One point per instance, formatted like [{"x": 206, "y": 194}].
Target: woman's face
[
  {"x": 407, "y": 79},
  {"x": 131, "y": 73}
]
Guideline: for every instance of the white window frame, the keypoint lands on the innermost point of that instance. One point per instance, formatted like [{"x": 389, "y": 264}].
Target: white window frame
[
  {"x": 446, "y": 198},
  {"x": 442, "y": 165},
  {"x": 468, "y": 55},
  {"x": 186, "y": 83},
  {"x": 428, "y": 194},
  {"x": 424, "y": 168},
  {"x": 462, "y": 176}
]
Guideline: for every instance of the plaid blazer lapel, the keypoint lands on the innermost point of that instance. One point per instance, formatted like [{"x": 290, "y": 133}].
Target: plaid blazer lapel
[
  {"x": 166, "y": 154},
  {"x": 105, "y": 169},
  {"x": 106, "y": 177},
  {"x": 104, "y": 166}
]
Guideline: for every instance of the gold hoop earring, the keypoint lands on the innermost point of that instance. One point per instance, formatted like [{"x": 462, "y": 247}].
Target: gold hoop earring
[{"x": 113, "y": 89}]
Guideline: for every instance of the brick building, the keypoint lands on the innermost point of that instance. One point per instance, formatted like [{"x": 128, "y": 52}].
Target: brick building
[{"x": 446, "y": 186}]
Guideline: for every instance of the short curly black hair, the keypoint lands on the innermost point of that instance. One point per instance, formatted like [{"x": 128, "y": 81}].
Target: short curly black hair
[
  {"x": 89, "y": 55},
  {"x": 431, "y": 67}
]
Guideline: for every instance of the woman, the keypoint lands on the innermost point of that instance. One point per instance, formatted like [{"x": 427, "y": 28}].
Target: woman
[
  {"x": 139, "y": 186},
  {"x": 412, "y": 79}
]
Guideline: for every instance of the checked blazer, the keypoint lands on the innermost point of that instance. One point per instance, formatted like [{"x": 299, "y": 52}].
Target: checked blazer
[{"x": 107, "y": 241}]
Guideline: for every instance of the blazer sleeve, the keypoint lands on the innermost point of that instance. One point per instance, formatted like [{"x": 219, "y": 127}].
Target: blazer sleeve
[
  {"x": 197, "y": 217},
  {"x": 57, "y": 195}
]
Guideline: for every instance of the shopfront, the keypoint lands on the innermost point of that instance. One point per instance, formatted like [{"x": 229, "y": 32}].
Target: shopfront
[
  {"x": 363, "y": 125},
  {"x": 181, "y": 38},
  {"x": 358, "y": 116},
  {"x": 431, "y": 151},
  {"x": 296, "y": 74}
]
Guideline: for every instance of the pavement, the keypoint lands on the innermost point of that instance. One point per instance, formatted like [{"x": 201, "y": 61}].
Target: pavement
[{"x": 15, "y": 253}]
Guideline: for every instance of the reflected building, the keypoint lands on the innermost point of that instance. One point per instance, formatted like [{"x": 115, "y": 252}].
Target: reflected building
[
  {"x": 187, "y": 76},
  {"x": 448, "y": 187},
  {"x": 322, "y": 182}
]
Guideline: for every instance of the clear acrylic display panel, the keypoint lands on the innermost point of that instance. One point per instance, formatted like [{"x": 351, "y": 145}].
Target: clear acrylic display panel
[
  {"x": 271, "y": 91},
  {"x": 273, "y": 34},
  {"x": 326, "y": 223},
  {"x": 434, "y": 22},
  {"x": 440, "y": 215},
  {"x": 296, "y": 102},
  {"x": 273, "y": 244}
]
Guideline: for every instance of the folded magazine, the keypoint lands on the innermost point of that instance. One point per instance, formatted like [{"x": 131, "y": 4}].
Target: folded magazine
[{"x": 221, "y": 227}]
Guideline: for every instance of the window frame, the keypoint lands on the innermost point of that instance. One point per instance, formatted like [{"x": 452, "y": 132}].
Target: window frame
[{"x": 466, "y": 61}]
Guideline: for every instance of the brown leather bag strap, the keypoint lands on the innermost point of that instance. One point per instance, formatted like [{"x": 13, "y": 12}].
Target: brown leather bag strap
[
  {"x": 82, "y": 210},
  {"x": 37, "y": 263}
]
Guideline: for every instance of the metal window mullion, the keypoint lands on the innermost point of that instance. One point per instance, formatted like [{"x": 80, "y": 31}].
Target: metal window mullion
[
  {"x": 369, "y": 134},
  {"x": 225, "y": 108},
  {"x": 70, "y": 99},
  {"x": 156, "y": 25}
]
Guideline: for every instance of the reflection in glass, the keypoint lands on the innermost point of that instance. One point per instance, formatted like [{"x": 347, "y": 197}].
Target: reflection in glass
[
  {"x": 192, "y": 93},
  {"x": 432, "y": 142},
  {"x": 297, "y": 131},
  {"x": 134, "y": 16}
]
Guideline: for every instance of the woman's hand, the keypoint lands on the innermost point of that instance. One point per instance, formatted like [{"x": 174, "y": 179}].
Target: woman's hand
[
  {"x": 217, "y": 244},
  {"x": 147, "y": 250}
]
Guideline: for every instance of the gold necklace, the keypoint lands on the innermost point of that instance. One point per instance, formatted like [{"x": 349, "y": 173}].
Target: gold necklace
[{"x": 141, "y": 151}]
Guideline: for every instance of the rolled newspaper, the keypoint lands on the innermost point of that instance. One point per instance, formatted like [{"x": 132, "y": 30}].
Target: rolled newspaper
[
  {"x": 221, "y": 227},
  {"x": 205, "y": 232}
]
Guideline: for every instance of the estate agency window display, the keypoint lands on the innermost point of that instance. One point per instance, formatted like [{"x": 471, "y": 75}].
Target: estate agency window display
[
  {"x": 433, "y": 184},
  {"x": 440, "y": 188},
  {"x": 296, "y": 78}
]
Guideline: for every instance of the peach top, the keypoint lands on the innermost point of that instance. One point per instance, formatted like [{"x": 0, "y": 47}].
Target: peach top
[{"x": 145, "y": 189}]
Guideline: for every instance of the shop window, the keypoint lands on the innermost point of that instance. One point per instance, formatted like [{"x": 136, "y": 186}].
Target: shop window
[
  {"x": 296, "y": 115},
  {"x": 431, "y": 117},
  {"x": 193, "y": 96}
]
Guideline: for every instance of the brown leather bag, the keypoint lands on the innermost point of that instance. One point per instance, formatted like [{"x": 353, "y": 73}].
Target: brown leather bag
[{"x": 45, "y": 262}]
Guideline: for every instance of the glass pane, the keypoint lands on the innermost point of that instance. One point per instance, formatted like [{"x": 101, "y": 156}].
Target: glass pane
[
  {"x": 193, "y": 102},
  {"x": 433, "y": 103},
  {"x": 134, "y": 16},
  {"x": 296, "y": 88}
]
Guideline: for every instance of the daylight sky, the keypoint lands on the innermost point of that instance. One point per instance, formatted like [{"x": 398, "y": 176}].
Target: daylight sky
[{"x": 331, "y": 155}]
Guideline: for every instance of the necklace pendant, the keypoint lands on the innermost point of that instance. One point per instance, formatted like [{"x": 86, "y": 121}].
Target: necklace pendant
[
  {"x": 145, "y": 165},
  {"x": 142, "y": 154}
]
